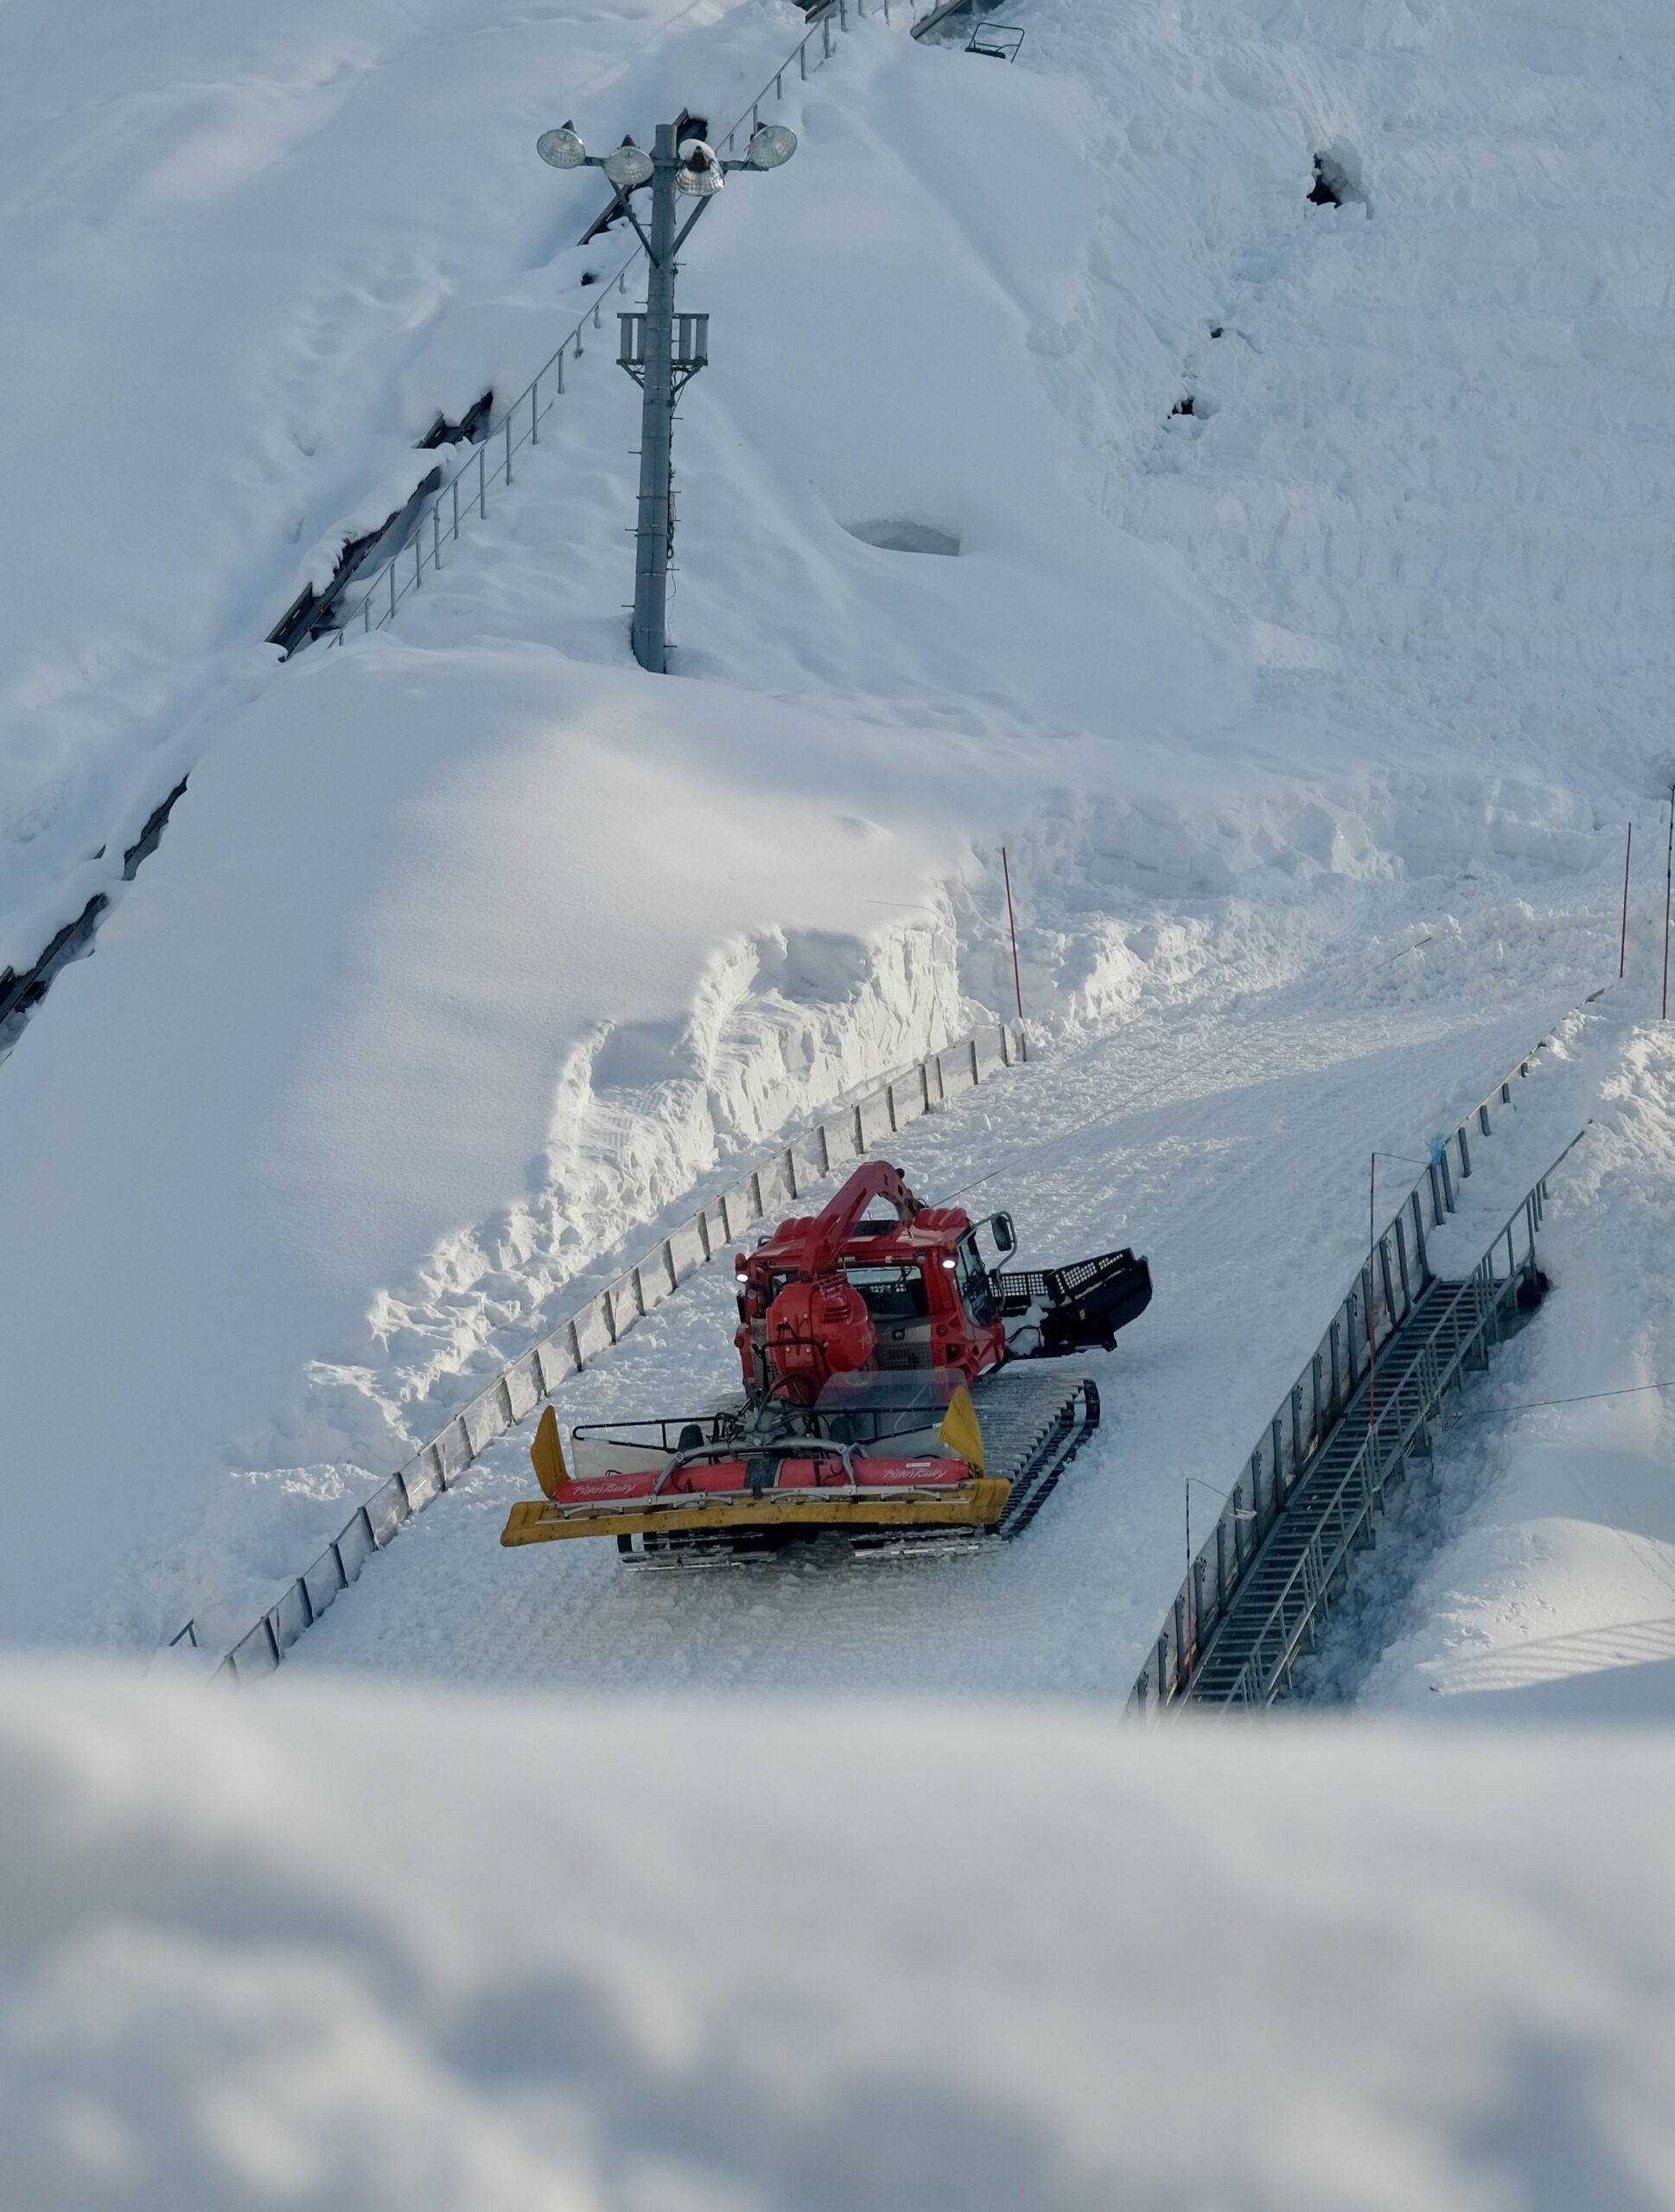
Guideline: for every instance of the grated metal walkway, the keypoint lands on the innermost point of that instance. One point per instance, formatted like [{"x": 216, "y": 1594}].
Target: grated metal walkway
[{"x": 1272, "y": 1616}]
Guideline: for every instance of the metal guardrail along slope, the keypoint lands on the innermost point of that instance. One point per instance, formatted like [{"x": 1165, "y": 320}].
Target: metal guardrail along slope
[
  {"x": 1392, "y": 1284},
  {"x": 772, "y": 1184},
  {"x": 1271, "y": 1615},
  {"x": 436, "y": 523}
]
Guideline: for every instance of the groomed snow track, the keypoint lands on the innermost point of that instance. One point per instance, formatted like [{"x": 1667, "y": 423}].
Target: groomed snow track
[{"x": 1234, "y": 1167}]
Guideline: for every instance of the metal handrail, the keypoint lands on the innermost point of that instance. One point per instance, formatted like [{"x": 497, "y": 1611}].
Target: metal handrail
[
  {"x": 1315, "y": 1565},
  {"x": 391, "y": 587},
  {"x": 1311, "y": 1408}
]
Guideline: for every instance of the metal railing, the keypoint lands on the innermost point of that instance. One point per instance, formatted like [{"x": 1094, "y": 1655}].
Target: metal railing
[
  {"x": 1392, "y": 1279},
  {"x": 1262, "y": 1625},
  {"x": 772, "y": 1184},
  {"x": 437, "y": 523}
]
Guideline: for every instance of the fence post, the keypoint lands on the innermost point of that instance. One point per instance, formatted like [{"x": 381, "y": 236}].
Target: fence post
[
  {"x": 1297, "y": 1429},
  {"x": 1419, "y": 1241}
]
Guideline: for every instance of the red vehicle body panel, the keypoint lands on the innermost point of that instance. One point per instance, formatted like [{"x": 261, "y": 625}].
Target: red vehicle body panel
[
  {"x": 801, "y": 1320},
  {"x": 725, "y": 1475}
]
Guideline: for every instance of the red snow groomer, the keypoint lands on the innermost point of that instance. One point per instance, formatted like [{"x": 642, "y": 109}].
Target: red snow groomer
[{"x": 890, "y": 1395}]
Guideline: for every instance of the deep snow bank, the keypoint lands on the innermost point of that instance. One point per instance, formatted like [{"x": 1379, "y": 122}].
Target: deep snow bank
[
  {"x": 362, "y": 1952},
  {"x": 236, "y": 248}
]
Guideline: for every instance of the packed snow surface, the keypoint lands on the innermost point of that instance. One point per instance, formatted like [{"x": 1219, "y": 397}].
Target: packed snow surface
[
  {"x": 1311, "y": 719},
  {"x": 363, "y": 1951},
  {"x": 1242, "y": 1174}
]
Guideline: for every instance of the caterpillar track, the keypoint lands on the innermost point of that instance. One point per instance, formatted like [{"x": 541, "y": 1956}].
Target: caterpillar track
[{"x": 1034, "y": 1424}]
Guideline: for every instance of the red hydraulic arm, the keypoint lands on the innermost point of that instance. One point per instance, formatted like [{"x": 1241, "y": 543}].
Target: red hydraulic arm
[{"x": 874, "y": 1178}]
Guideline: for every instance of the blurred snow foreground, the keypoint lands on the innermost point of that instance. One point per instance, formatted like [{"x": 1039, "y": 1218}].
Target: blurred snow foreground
[{"x": 394, "y": 1950}]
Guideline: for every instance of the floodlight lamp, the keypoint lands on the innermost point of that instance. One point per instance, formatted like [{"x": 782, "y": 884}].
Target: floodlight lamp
[
  {"x": 628, "y": 168},
  {"x": 699, "y": 172},
  {"x": 562, "y": 148},
  {"x": 773, "y": 143}
]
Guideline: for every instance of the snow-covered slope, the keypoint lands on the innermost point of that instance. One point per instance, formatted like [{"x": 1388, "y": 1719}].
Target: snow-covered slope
[
  {"x": 248, "y": 256},
  {"x": 362, "y": 1952},
  {"x": 469, "y": 945}
]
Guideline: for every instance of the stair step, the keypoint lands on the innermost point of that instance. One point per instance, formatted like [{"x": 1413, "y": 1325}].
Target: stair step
[{"x": 1270, "y": 1602}]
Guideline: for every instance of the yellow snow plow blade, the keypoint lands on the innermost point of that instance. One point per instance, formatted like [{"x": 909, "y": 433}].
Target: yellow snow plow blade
[
  {"x": 547, "y": 1455},
  {"x": 961, "y": 1430},
  {"x": 976, "y": 1504}
]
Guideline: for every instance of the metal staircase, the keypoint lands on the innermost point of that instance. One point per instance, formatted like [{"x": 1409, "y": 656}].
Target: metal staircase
[{"x": 1273, "y": 1614}]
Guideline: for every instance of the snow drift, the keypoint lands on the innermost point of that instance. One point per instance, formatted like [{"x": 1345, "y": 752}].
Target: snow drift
[{"x": 360, "y": 1952}]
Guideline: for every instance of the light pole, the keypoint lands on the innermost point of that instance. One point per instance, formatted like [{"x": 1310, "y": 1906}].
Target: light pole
[{"x": 657, "y": 355}]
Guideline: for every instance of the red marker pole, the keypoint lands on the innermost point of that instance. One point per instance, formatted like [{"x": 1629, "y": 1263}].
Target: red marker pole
[
  {"x": 1011, "y": 924},
  {"x": 1622, "y": 962}
]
